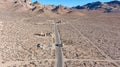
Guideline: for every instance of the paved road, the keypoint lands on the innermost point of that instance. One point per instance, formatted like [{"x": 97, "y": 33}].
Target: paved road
[{"x": 59, "y": 61}]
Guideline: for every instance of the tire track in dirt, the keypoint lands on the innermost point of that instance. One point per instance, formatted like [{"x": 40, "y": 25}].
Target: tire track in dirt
[
  {"x": 1, "y": 28},
  {"x": 88, "y": 40}
]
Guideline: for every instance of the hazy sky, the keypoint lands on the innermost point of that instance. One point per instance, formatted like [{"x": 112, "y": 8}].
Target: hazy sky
[{"x": 68, "y": 3}]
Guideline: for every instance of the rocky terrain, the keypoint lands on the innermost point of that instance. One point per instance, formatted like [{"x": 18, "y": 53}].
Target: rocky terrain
[{"x": 90, "y": 36}]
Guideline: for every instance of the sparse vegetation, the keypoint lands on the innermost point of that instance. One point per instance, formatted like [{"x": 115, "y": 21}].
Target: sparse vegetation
[{"x": 27, "y": 39}]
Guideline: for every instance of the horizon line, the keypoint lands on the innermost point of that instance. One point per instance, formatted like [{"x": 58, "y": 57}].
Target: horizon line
[{"x": 72, "y": 5}]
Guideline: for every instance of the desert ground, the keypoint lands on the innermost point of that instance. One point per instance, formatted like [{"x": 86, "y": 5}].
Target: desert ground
[{"x": 89, "y": 40}]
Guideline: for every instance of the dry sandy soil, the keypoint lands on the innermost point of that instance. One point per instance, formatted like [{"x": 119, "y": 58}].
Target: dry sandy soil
[{"x": 92, "y": 40}]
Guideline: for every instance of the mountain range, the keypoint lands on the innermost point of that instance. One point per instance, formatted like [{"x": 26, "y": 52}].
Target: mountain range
[
  {"x": 23, "y": 5},
  {"x": 112, "y": 6}
]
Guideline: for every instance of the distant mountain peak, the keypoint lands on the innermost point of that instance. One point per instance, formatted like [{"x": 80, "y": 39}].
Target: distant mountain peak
[
  {"x": 60, "y": 9},
  {"x": 112, "y": 6}
]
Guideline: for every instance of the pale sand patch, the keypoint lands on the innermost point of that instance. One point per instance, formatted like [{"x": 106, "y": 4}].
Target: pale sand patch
[{"x": 1, "y": 25}]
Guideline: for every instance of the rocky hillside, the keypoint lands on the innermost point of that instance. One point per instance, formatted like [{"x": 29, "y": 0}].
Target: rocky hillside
[
  {"x": 17, "y": 5},
  {"x": 36, "y": 7},
  {"x": 23, "y": 5},
  {"x": 60, "y": 9},
  {"x": 112, "y": 6}
]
